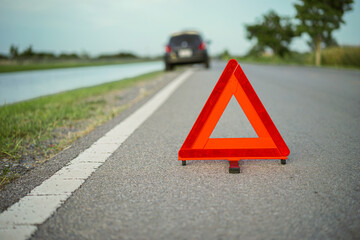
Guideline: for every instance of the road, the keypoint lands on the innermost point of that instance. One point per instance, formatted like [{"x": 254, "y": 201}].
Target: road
[{"x": 143, "y": 192}]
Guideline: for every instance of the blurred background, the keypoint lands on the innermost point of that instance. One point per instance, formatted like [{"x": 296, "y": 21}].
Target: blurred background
[{"x": 40, "y": 30}]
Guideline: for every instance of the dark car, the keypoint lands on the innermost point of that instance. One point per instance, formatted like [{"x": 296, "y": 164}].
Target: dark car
[{"x": 185, "y": 48}]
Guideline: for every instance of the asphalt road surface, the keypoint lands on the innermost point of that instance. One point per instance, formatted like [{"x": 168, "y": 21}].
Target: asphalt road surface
[{"x": 143, "y": 192}]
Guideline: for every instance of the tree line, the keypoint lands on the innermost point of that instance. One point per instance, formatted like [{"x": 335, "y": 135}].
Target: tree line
[
  {"x": 315, "y": 18},
  {"x": 30, "y": 54}
]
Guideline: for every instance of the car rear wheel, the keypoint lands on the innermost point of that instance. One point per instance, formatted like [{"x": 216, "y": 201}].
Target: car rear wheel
[
  {"x": 207, "y": 64},
  {"x": 169, "y": 67}
]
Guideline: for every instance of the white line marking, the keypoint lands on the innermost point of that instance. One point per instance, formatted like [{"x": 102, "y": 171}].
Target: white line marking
[{"x": 19, "y": 220}]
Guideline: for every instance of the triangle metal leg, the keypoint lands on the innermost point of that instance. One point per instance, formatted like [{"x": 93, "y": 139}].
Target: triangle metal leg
[{"x": 234, "y": 167}]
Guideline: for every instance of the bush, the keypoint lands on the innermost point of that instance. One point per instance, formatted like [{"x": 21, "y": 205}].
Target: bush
[
  {"x": 348, "y": 56},
  {"x": 3, "y": 57}
]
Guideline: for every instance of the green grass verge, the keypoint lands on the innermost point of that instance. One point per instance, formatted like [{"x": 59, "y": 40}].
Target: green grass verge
[
  {"x": 42, "y": 127},
  {"x": 344, "y": 56},
  {"x": 338, "y": 57},
  {"x": 295, "y": 59},
  {"x": 27, "y": 66}
]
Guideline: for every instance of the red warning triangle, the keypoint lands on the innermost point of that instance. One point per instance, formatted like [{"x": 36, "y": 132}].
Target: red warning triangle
[{"x": 198, "y": 144}]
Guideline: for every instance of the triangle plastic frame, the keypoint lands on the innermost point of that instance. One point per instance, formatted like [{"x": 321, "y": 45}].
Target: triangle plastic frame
[{"x": 198, "y": 144}]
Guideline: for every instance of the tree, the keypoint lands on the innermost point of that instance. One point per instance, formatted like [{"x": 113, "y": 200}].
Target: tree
[
  {"x": 27, "y": 53},
  {"x": 14, "y": 52},
  {"x": 328, "y": 42},
  {"x": 68, "y": 56},
  {"x": 319, "y": 18},
  {"x": 3, "y": 57},
  {"x": 256, "y": 50},
  {"x": 225, "y": 55},
  {"x": 274, "y": 32}
]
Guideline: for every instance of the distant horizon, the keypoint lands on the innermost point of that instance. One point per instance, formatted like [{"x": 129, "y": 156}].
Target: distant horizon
[
  {"x": 142, "y": 27},
  {"x": 142, "y": 56}
]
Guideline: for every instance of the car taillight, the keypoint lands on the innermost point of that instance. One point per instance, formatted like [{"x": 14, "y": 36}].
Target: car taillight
[
  {"x": 202, "y": 46},
  {"x": 168, "y": 49}
]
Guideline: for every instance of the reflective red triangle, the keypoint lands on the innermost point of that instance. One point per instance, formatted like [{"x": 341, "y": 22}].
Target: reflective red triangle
[{"x": 198, "y": 144}]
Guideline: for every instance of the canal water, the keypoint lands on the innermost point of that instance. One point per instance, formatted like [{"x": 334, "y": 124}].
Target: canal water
[{"x": 19, "y": 86}]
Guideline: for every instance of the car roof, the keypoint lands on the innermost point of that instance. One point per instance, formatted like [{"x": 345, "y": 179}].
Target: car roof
[{"x": 185, "y": 32}]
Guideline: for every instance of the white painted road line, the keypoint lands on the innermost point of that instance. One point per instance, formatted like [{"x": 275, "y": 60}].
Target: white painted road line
[{"x": 19, "y": 220}]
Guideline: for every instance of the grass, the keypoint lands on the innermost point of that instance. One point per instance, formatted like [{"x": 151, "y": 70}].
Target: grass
[
  {"x": 11, "y": 66},
  {"x": 40, "y": 128},
  {"x": 342, "y": 57},
  {"x": 293, "y": 59}
]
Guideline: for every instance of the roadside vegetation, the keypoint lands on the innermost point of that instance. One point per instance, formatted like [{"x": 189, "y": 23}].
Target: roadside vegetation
[
  {"x": 344, "y": 56},
  {"x": 337, "y": 56},
  {"x": 272, "y": 35},
  {"x": 29, "y": 59},
  {"x": 13, "y": 66},
  {"x": 35, "y": 130}
]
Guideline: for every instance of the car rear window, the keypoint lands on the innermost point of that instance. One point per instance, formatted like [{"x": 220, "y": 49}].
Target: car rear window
[{"x": 192, "y": 40}]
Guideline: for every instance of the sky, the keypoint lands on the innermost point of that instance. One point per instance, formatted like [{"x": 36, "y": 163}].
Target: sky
[{"x": 143, "y": 26}]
